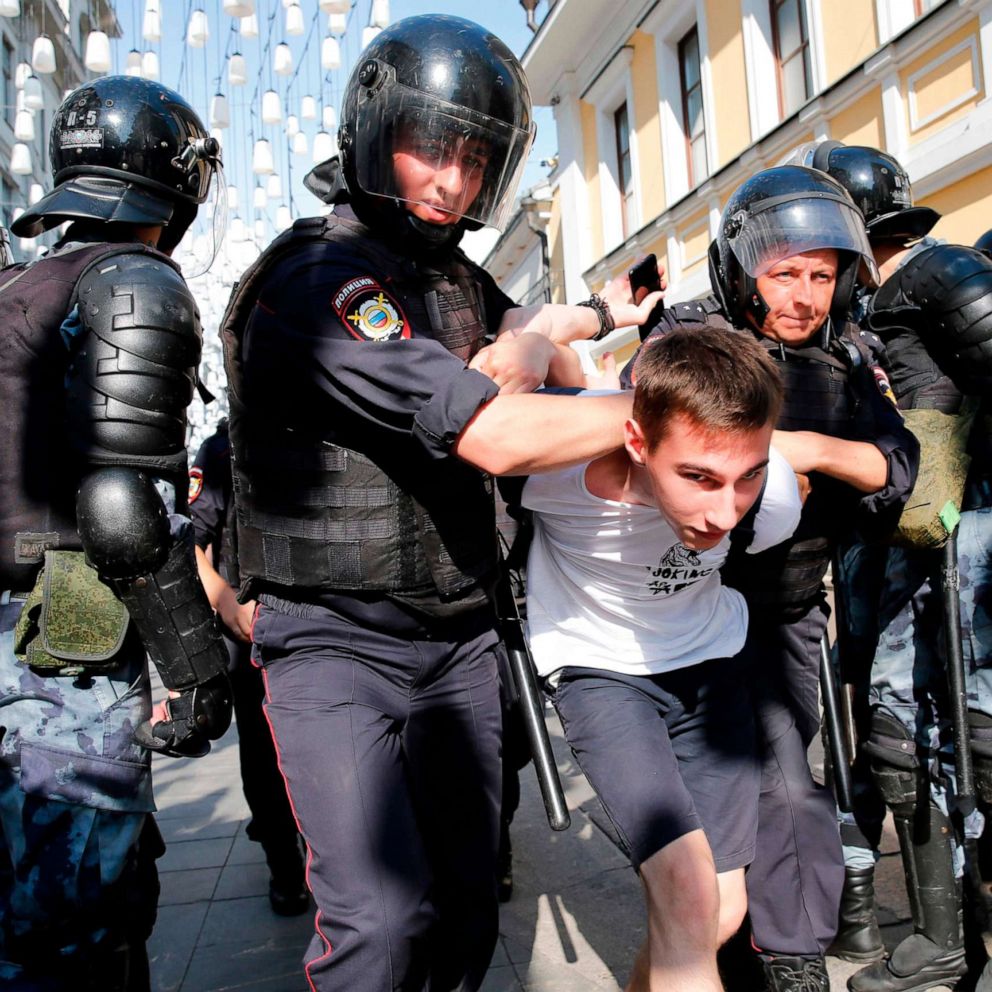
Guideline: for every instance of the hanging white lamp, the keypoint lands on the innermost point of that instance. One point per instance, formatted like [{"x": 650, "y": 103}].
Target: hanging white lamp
[
  {"x": 335, "y": 6},
  {"x": 151, "y": 24},
  {"x": 34, "y": 98},
  {"x": 20, "y": 159},
  {"x": 282, "y": 60},
  {"x": 150, "y": 65},
  {"x": 329, "y": 118},
  {"x": 273, "y": 186},
  {"x": 232, "y": 198},
  {"x": 260, "y": 229},
  {"x": 249, "y": 26},
  {"x": 239, "y": 8},
  {"x": 97, "y": 57},
  {"x": 284, "y": 219},
  {"x": 21, "y": 73},
  {"x": 300, "y": 143},
  {"x": 10, "y": 8},
  {"x": 295, "y": 24},
  {"x": 337, "y": 23},
  {"x": 36, "y": 192},
  {"x": 368, "y": 35},
  {"x": 330, "y": 53},
  {"x": 220, "y": 113},
  {"x": 380, "y": 13},
  {"x": 261, "y": 158},
  {"x": 133, "y": 65},
  {"x": 24, "y": 126},
  {"x": 271, "y": 107},
  {"x": 153, "y": 5},
  {"x": 236, "y": 228},
  {"x": 292, "y": 126},
  {"x": 237, "y": 70},
  {"x": 308, "y": 108},
  {"x": 259, "y": 199},
  {"x": 43, "y": 55},
  {"x": 198, "y": 31},
  {"x": 324, "y": 147}
]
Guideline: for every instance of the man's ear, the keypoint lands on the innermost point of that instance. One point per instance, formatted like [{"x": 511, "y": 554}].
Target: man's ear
[{"x": 633, "y": 441}]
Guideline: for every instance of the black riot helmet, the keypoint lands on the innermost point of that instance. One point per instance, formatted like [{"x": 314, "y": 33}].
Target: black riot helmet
[
  {"x": 126, "y": 150},
  {"x": 878, "y": 184},
  {"x": 776, "y": 214},
  {"x": 444, "y": 90},
  {"x": 984, "y": 243}
]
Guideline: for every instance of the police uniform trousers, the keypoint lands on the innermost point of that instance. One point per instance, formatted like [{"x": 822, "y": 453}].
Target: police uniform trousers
[
  {"x": 77, "y": 842},
  {"x": 794, "y": 883},
  {"x": 908, "y": 676},
  {"x": 390, "y": 746}
]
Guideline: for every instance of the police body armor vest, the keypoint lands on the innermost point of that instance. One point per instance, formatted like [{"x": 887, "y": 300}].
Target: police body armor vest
[
  {"x": 817, "y": 398},
  {"x": 37, "y": 473},
  {"x": 334, "y": 520}
]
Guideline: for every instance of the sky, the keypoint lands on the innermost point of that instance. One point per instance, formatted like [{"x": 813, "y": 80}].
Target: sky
[{"x": 199, "y": 73}]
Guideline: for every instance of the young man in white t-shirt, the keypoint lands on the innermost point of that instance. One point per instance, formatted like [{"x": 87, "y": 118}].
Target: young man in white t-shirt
[{"x": 636, "y": 635}]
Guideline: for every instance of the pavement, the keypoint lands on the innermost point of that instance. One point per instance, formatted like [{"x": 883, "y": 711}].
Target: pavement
[{"x": 574, "y": 923}]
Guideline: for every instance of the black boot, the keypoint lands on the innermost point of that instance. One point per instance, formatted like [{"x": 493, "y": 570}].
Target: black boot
[
  {"x": 288, "y": 893},
  {"x": 857, "y": 937},
  {"x": 934, "y": 954},
  {"x": 795, "y": 974}
]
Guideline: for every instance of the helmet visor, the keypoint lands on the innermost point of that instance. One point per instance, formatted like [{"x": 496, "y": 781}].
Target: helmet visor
[
  {"x": 794, "y": 223},
  {"x": 203, "y": 238},
  {"x": 451, "y": 162}
]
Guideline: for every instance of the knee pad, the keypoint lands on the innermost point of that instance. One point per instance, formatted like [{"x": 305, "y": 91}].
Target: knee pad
[
  {"x": 895, "y": 767},
  {"x": 980, "y": 738}
]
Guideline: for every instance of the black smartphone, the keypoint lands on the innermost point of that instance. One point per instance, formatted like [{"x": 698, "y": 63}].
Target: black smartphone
[{"x": 644, "y": 275}]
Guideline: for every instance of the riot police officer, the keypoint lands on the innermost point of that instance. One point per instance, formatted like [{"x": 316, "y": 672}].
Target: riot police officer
[
  {"x": 101, "y": 340},
  {"x": 933, "y": 310},
  {"x": 783, "y": 267},
  {"x": 362, "y": 443}
]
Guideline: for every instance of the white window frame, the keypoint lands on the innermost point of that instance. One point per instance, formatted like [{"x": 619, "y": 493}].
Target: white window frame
[
  {"x": 916, "y": 122},
  {"x": 669, "y": 24},
  {"x": 893, "y": 16},
  {"x": 610, "y": 90},
  {"x": 760, "y": 60}
]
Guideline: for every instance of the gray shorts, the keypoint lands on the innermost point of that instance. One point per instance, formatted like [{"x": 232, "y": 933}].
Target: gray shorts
[{"x": 668, "y": 754}]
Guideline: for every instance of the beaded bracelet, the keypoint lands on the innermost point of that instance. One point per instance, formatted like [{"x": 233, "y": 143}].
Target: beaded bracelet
[{"x": 602, "y": 308}]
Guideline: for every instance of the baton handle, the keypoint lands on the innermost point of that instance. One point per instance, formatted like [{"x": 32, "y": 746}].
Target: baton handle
[
  {"x": 836, "y": 737},
  {"x": 957, "y": 690},
  {"x": 531, "y": 707}
]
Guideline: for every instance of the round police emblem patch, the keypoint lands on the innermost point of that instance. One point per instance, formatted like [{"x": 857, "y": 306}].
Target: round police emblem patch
[
  {"x": 369, "y": 312},
  {"x": 195, "y": 483}
]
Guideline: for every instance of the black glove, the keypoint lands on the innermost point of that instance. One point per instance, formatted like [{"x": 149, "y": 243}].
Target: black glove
[{"x": 195, "y": 717}]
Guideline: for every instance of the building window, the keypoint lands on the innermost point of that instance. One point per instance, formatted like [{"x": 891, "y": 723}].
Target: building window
[
  {"x": 9, "y": 93},
  {"x": 692, "y": 107},
  {"x": 790, "y": 36},
  {"x": 625, "y": 173},
  {"x": 920, "y": 7}
]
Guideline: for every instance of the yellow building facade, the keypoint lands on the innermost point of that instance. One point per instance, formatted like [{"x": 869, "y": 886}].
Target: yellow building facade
[{"x": 663, "y": 107}]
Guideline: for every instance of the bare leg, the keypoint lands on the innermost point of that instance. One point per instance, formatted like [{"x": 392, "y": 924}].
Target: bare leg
[
  {"x": 683, "y": 904},
  {"x": 733, "y": 903}
]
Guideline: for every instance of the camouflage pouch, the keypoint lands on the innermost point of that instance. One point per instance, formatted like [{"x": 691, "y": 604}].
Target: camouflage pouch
[
  {"x": 71, "y": 622},
  {"x": 933, "y": 507}
]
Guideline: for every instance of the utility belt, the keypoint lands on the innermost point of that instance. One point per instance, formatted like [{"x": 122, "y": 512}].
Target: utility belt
[{"x": 71, "y": 623}]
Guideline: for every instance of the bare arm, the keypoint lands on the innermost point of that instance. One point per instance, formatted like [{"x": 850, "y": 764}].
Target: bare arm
[
  {"x": 858, "y": 463},
  {"x": 525, "y": 433},
  {"x": 236, "y": 616}
]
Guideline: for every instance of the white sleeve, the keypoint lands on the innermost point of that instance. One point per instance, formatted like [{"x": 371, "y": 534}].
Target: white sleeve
[{"x": 780, "y": 508}]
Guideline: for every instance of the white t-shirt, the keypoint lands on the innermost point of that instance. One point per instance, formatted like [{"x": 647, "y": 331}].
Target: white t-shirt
[{"x": 609, "y": 586}]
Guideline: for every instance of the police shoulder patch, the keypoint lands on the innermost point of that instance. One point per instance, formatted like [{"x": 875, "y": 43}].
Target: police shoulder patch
[
  {"x": 195, "y": 483},
  {"x": 369, "y": 312},
  {"x": 884, "y": 387}
]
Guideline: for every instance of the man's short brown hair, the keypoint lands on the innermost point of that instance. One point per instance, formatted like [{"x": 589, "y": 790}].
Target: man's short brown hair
[{"x": 721, "y": 380}]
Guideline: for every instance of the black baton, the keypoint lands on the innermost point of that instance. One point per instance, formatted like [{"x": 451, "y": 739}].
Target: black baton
[
  {"x": 531, "y": 704},
  {"x": 950, "y": 586},
  {"x": 836, "y": 738}
]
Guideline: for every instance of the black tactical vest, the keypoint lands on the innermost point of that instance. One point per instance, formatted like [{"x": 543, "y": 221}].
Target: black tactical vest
[
  {"x": 316, "y": 515},
  {"x": 38, "y": 474},
  {"x": 818, "y": 397}
]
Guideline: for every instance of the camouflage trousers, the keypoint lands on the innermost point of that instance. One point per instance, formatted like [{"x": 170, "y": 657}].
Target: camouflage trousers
[
  {"x": 76, "y": 837},
  {"x": 895, "y": 614}
]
